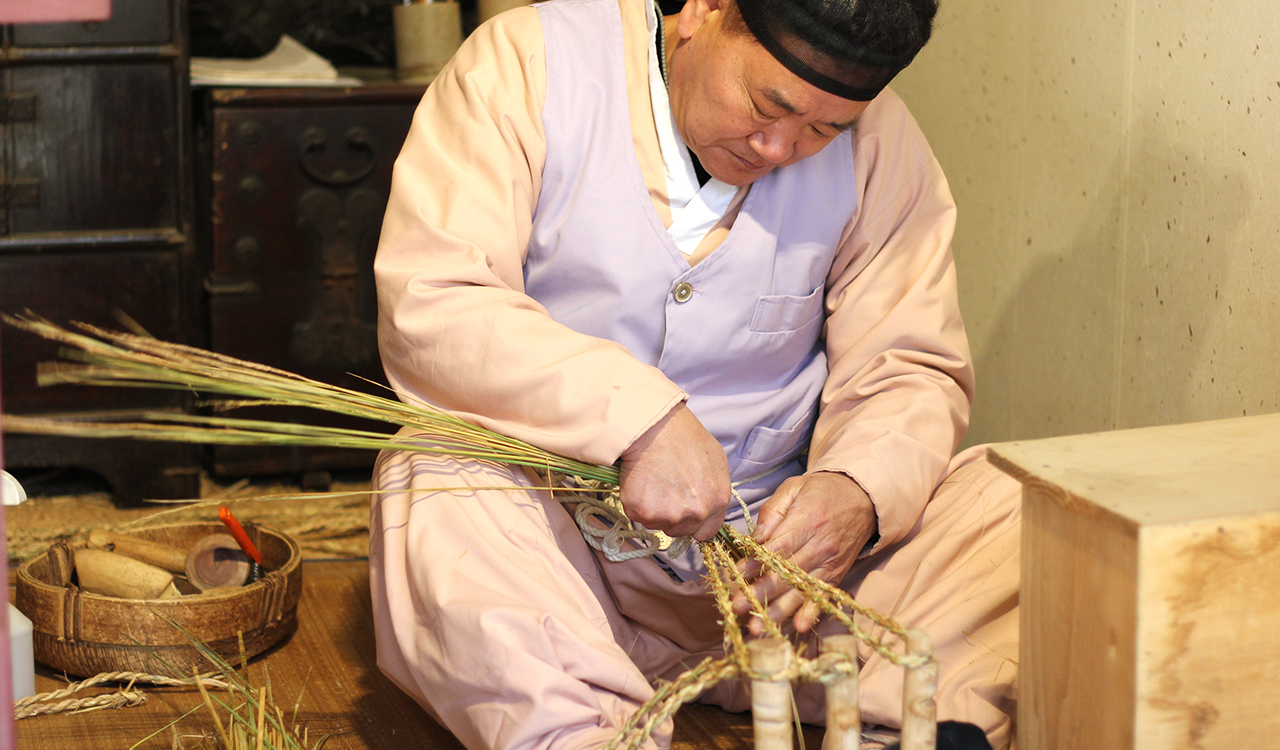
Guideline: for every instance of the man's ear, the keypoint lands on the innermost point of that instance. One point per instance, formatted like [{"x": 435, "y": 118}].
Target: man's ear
[{"x": 694, "y": 14}]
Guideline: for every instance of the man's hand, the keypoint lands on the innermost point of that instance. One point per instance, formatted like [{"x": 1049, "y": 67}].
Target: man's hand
[
  {"x": 821, "y": 521},
  {"x": 675, "y": 478}
]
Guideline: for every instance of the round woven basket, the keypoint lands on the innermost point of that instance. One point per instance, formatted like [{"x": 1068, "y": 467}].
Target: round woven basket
[{"x": 85, "y": 634}]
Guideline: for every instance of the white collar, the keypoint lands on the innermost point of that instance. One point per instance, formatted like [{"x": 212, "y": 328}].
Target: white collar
[{"x": 694, "y": 209}]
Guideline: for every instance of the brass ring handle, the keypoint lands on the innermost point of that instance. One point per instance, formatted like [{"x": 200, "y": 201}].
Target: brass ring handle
[{"x": 313, "y": 146}]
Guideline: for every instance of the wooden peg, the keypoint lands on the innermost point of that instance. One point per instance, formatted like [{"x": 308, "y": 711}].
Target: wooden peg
[
  {"x": 919, "y": 711},
  {"x": 111, "y": 574},
  {"x": 844, "y": 715},
  {"x": 771, "y": 698},
  {"x": 164, "y": 556}
]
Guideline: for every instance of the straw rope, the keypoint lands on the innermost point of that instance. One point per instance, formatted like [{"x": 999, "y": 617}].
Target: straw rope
[
  {"x": 59, "y": 701},
  {"x": 619, "y": 530},
  {"x": 126, "y": 698},
  {"x": 605, "y": 526},
  {"x": 723, "y": 578}
]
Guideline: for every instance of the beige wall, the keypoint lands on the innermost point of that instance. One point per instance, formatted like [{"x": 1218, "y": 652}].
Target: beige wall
[{"x": 1117, "y": 169}]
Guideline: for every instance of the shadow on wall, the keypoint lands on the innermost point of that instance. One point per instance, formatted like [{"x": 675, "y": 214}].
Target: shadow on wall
[{"x": 1109, "y": 325}]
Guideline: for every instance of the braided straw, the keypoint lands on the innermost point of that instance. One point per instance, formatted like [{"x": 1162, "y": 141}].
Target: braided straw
[
  {"x": 724, "y": 578},
  {"x": 58, "y": 701},
  {"x": 125, "y": 698}
]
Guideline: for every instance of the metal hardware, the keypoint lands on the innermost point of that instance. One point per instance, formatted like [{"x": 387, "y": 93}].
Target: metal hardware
[
  {"x": 312, "y": 146},
  {"x": 252, "y": 187},
  {"x": 216, "y": 286},
  {"x": 333, "y": 334},
  {"x": 21, "y": 193},
  {"x": 19, "y": 107},
  {"x": 247, "y": 250},
  {"x": 683, "y": 292},
  {"x": 249, "y": 132}
]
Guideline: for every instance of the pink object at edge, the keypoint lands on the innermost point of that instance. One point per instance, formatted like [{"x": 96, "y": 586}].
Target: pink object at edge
[{"x": 51, "y": 11}]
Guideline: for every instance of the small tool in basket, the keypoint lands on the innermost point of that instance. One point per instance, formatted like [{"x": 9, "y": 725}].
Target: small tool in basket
[
  {"x": 213, "y": 561},
  {"x": 246, "y": 544}
]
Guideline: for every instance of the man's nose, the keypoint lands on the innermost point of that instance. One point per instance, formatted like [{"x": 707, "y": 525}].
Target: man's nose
[{"x": 774, "y": 143}]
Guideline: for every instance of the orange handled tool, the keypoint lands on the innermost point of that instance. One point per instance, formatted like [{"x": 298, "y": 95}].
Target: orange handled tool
[{"x": 242, "y": 539}]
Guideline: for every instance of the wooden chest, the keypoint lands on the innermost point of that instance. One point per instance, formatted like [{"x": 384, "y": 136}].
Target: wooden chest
[
  {"x": 298, "y": 182},
  {"x": 1150, "y": 587},
  {"x": 95, "y": 220}
]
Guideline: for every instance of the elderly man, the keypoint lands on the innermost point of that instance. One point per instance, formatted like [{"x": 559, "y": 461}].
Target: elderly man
[{"x": 713, "y": 248}]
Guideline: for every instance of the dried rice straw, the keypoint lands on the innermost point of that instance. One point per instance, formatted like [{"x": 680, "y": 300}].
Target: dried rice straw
[{"x": 111, "y": 358}]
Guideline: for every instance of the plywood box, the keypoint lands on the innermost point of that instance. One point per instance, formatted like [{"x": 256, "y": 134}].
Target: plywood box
[{"x": 1150, "y": 587}]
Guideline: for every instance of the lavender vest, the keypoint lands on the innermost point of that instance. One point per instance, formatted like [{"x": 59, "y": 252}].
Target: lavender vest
[{"x": 739, "y": 332}]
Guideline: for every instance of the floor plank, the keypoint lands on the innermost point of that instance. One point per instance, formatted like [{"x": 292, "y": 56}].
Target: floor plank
[{"x": 332, "y": 655}]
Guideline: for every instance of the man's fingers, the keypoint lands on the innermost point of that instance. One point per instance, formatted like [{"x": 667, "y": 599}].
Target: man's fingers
[
  {"x": 767, "y": 589},
  {"x": 804, "y": 614},
  {"x": 819, "y": 522},
  {"x": 778, "y": 610},
  {"x": 701, "y": 529},
  {"x": 764, "y": 589},
  {"x": 770, "y": 585},
  {"x": 750, "y": 568},
  {"x": 774, "y": 511},
  {"x": 807, "y": 617}
]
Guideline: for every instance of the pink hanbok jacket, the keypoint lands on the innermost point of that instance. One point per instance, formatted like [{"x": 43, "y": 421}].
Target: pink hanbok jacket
[{"x": 526, "y": 281}]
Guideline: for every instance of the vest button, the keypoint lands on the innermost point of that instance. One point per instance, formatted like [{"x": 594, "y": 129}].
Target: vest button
[{"x": 683, "y": 292}]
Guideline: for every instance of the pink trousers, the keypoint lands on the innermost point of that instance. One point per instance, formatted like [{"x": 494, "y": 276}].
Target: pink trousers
[{"x": 496, "y": 616}]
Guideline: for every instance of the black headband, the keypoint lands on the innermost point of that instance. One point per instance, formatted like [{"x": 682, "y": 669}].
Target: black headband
[{"x": 806, "y": 44}]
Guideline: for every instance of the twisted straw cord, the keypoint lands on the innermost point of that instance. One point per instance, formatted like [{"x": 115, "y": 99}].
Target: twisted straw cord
[
  {"x": 733, "y": 642},
  {"x": 26, "y": 707},
  {"x": 130, "y": 677},
  {"x": 723, "y": 572},
  {"x": 620, "y": 530},
  {"x": 771, "y": 628},
  {"x": 832, "y": 599},
  {"x": 825, "y": 669},
  {"x": 121, "y": 699},
  {"x": 668, "y": 699},
  {"x": 670, "y": 696}
]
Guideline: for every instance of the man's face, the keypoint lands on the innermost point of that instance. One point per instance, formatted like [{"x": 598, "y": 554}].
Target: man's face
[{"x": 738, "y": 108}]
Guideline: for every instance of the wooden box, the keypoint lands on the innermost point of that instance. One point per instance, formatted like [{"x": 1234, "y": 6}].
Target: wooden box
[
  {"x": 1150, "y": 587},
  {"x": 298, "y": 182}
]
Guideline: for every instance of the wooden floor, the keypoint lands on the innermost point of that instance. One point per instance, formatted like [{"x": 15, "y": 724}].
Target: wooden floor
[{"x": 346, "y": 697}]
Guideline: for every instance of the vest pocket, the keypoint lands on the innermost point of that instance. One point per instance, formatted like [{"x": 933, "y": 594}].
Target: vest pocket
[
  {"x": 781, "y": 313},
  {"x": 767, "y": 448}
]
